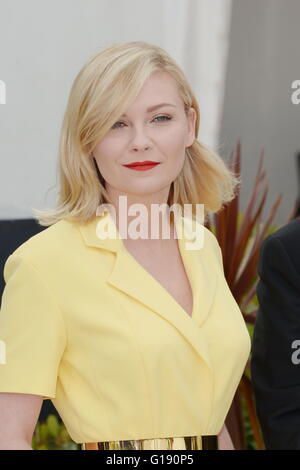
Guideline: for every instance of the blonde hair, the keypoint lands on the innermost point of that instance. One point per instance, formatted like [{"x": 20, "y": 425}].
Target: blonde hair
[{"x": 103, "y": 89}]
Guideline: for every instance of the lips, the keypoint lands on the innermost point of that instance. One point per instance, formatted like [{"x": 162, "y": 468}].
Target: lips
[
  {"x": 142, "y": 166},
  {"x": 144, "y": 163}
]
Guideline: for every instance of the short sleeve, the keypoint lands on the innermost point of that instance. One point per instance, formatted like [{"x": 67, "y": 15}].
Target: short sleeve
[{"x": 32, "y": 331}]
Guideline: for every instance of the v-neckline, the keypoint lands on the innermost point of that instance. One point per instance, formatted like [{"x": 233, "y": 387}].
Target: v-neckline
[{"x": 187, "y": 271}]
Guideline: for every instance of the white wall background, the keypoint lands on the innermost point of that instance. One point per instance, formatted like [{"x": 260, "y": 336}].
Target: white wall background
[{"x": 43, "y": 45}]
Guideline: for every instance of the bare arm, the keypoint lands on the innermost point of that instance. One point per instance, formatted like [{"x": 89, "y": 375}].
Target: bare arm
[
  {"x": 224, "y": 440},
  {"x": 19, "y": 413}
]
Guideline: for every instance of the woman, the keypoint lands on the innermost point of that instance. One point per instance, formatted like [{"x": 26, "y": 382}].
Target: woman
[{"x": 138, "y": 341}]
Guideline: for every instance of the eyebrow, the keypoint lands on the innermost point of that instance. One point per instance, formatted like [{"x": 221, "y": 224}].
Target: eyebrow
[{"x": 156, "y": 106}]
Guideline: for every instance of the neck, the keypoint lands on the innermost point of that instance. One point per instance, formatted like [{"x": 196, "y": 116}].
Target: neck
[{"x": 151, "y": 217}]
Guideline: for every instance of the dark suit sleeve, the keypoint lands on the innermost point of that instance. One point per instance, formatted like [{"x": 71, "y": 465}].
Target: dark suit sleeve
[{"x": 275, "y": 376}]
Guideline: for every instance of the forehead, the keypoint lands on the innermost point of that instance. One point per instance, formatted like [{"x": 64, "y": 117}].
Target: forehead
[
  {"x": 159, "y": 88},
  {"x": 161, "y": 83}
]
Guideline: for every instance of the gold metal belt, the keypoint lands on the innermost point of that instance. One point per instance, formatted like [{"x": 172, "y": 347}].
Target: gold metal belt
[{"x": 166, "y": 443}]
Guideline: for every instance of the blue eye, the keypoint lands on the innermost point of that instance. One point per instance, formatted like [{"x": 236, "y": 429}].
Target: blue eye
[{"x": 166, "y": 118}]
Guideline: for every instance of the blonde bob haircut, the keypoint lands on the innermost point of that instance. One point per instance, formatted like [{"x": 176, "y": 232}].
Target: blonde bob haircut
[{"x": 101, "y": 92}]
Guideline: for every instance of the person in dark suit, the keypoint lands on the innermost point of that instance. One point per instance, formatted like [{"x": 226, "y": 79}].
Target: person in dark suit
[{"x": 275, "y": 355}]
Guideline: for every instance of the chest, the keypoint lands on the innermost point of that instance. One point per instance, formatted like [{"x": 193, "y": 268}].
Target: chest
[{"x": 169, "y": 270}]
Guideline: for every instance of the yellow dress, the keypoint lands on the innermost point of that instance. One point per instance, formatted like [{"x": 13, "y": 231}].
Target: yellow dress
[{"x": 85, "y": 325}]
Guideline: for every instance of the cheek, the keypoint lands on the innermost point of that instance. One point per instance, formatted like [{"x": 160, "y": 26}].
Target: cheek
[
  {"x": 174, "y": 151},
  {"x": 105, "y": 148},
  {"x": 175, "y": 139}
]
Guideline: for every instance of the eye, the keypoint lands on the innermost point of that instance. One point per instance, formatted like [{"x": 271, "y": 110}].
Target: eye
[{"x": 166, "y": 118}]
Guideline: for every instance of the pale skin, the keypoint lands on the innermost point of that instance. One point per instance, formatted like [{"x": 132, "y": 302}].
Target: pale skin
[
  {"x": 141, "y": 136},
  {"x": 19, "y": 413},
  {"x": 224, "y": 440}
]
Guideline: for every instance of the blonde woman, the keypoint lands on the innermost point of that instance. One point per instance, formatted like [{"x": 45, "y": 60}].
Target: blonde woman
[{"x": 137, "y": 341}]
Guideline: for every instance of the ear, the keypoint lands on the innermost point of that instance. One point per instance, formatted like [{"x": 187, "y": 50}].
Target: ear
[{"x": 192, "y": 117}]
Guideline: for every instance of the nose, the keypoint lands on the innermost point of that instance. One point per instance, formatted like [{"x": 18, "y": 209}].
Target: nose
[
  {"x": 140, "y": 140},
  {"x": 141, "y": 147}
]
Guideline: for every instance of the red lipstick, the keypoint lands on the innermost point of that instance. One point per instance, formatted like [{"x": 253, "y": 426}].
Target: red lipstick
[{"x": 142, "y": 166}]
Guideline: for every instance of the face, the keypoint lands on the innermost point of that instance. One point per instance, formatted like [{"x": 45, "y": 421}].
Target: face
[{"x": 158, "y": 135}]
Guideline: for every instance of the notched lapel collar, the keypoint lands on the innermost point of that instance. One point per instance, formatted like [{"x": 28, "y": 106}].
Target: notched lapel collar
[{"x": 131, "y": 277}]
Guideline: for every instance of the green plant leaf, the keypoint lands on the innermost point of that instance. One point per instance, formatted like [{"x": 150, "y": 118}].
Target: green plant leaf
[{"x": 52, "y": 425}]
